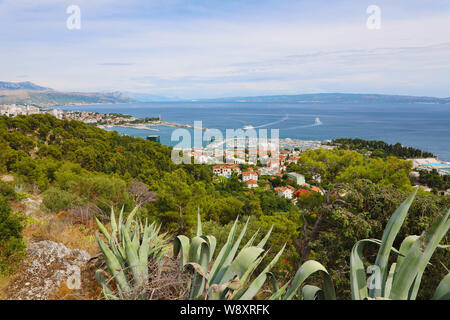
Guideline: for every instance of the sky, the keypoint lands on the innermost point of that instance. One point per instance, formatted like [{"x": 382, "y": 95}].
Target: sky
[{"x": 222, "y": 48}]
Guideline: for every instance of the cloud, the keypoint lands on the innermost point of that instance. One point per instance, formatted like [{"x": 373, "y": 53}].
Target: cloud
[
  {"x": 213, "y": 48},
  {"x": 116, "y": 64}
]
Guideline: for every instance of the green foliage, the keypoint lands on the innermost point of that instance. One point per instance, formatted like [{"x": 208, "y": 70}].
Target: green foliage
[
  {"x": 381, "y": 148},
  {"x": 341, "y": 166},
  {"x": 12, "y": 245},
  {"x": 55, "y": 200},
  {"x": 7, "y": 191},
  {"x": 434, "y": 180}
]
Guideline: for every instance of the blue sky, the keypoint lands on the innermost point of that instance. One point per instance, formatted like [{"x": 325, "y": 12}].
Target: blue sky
[{"x": 212, "y": 48}]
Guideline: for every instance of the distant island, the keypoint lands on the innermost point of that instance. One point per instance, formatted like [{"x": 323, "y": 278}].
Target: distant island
[{"x": 335, "y": 98}]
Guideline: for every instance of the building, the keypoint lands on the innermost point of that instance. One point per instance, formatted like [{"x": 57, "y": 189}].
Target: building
[
  {"x": 299, "y": 178},
  {"x": 226, "y": 170},
  {"x": 249, "y": 175},
  {"x": 251, "y": 183},
  {"x": 286, "y": 192},
  {"x": 429, "y": 164}
]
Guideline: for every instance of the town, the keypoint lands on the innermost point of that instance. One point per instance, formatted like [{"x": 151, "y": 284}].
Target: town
[
  {"x": 13, "y": 110},
  {"x": 270, "y": 165}
]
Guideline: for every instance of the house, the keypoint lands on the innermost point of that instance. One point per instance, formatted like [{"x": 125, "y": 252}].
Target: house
[
  {"x": 226, "y": 170},
  {"x": 299, "y": 178},
  {"x": 252, "y": 183},
  {"x": 249, "y": 175},
  {"x": 286, "y": 192}
]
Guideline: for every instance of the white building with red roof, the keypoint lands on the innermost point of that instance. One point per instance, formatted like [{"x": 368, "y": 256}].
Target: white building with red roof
[
  {"x": 249, "y": 175},
  {"x": 286, "y": 192},
  {"x": 252, "y": 183},
  {"x": 226, "y": 170}
]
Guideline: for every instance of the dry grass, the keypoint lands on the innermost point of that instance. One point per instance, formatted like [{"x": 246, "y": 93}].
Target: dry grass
[
  {"x": 167, "y": 281},
  {"x": 4, "y": 283},
  {"x": 63, "y": 229}
]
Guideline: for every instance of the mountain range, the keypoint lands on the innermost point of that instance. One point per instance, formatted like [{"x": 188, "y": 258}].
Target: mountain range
[
  {"x": 336, "y": 98},
  {"x": 30, "y": 93}
]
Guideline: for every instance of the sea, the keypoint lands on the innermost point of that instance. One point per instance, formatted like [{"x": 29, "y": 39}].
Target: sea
[{"x": 422, "y": 126}]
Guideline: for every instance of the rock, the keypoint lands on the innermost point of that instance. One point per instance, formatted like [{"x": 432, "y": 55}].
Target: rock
[
  {"x": 32, "y": 205},
  {"x": 47, "y": 264}
]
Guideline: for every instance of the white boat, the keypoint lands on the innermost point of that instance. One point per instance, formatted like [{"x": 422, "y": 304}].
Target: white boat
[
  {"x": 248, "y": 127},
  {"x": 317, "y": 121}
]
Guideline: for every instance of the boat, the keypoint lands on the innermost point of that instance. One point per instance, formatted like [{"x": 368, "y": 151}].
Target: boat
[{"x": 248, "y": 127}]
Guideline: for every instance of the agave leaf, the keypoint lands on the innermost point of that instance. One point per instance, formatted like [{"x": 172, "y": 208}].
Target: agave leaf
[
  {"x": 407, "y": 280},
  {"x": 102, "y": 281},
  {"x": 133, "y": 260},
  {"x": 307, "y": 269},
  {"x": 252, "y": 239},
  {"x": 256, "y": 284},
  {"x": 114, "y": 229},
  {"x": 198, "y": 283},
  {"x": 390, "y": 278},
  {"x": 277, "y": 295},
  {"x": 404, "y": 248},
  {"x": 143, "y": 252},
  {"x": 246, "y": 277},
  {"x": 310, "y": 292},
  {"x": 212, "y": 245},
  {"x": 231, "y": 254},
  {"x": 358, "y": 279},
  {"x": 262, "y": 243},
  {"x": 275, "y": 285},
  {"x": 241, "y": 264},
  {"x": 181, "y": 243},
  {"x": 130, "y": 217},
  {"x": 390, "y": 232},
  {"x": 114, "y": 266},
  {"x": 443, "y": 290},
  {"x": 199, "y": 224},
  {"x": 102, "y": 228},
  {"x": 195, "y": 249},
  {"x": 222, "y": 256}
]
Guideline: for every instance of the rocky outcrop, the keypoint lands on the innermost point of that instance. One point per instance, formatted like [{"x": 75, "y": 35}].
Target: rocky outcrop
[{"x": 46, "y": 266}]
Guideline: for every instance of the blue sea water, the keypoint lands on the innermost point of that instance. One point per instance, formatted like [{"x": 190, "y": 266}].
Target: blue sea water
[{"x": 423, "y": 126}]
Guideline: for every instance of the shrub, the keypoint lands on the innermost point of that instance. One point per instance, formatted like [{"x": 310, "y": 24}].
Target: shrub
[
  {"x": 56, "y": 200},
  {"x": 12, "y": 245}
]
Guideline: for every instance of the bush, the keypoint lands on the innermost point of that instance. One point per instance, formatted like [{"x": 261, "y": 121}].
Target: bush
[
  {"x": 12, "y": 245},
  {"x": 7, "y": 191},
  {"x": 55, "y": 200}
]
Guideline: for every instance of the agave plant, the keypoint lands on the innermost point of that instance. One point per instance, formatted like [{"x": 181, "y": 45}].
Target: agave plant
[
  {"x": 127, "y": 251},
  {"x": 401, "y": 282},
  {"x": 229, "y": 276}
]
